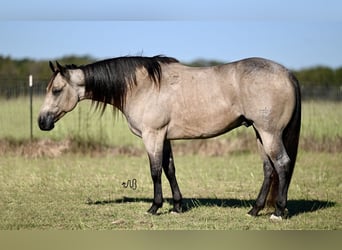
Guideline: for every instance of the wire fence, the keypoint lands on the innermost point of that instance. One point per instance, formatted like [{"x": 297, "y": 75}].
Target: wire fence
[{"x": 21, "y": 88}]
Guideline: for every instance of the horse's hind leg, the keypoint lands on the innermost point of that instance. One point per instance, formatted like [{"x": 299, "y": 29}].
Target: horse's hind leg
[
  {"x": 275, "y": 151},
  {"x": 268, "y": 176},
  {"x": 170, "y": 172}
]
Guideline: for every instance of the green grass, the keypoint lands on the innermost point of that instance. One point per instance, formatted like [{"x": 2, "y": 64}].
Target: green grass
[
  {"x": 322, "y": 120},
  {"x": 83, "y": 192},
  {"x": 83, "y": 123}
]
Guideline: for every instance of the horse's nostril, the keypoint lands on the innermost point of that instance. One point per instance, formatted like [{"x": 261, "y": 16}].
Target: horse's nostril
[{"x": 46, "y": 122}]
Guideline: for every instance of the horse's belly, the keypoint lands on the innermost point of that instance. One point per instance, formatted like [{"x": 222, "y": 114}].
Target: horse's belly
[
  {"x": 190, "y": 125},
  {"x": 202, "y": 108}
]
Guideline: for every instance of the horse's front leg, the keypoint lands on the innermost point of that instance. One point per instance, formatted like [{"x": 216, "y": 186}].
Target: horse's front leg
[
  {"x": 154, "y": 141},
  {"x": 170, "y": 172}
]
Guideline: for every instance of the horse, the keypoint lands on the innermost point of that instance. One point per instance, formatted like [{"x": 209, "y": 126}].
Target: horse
[{"x": 164, "y": 100}]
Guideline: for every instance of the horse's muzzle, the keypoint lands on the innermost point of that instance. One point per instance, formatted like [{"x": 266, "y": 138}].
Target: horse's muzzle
[{"x": 46, "y": 121}]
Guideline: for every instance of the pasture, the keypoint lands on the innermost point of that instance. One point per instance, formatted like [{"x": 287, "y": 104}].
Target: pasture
[{"x": 71, "y": 177}]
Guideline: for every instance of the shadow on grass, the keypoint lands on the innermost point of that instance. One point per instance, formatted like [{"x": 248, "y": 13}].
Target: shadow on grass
[{"x": 295, "y": 207}]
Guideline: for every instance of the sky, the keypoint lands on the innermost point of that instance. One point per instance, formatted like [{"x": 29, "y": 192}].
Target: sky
[{"x": 295, "y": 33}]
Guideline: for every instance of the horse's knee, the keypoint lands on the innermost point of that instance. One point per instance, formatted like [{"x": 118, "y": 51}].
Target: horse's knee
[{"x": 156, "y": 174}]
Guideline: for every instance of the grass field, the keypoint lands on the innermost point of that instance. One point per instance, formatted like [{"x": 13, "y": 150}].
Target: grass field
[
  {"x": 83, "y": 189},
  {"x": 83, "y": 192}
]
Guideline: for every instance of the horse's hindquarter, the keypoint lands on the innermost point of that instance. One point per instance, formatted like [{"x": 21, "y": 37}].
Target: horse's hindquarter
[
  {"x": 266, "y": 92},
  {"x": 202, "y": 102}
]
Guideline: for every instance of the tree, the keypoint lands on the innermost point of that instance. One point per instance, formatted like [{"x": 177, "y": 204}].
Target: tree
[
  {"x": 338, "y": 76},
  {"x": 323, "y": 76}
]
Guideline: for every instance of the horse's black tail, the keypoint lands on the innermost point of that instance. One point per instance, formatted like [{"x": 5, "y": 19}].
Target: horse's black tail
[{"x": 290, "y": 140}]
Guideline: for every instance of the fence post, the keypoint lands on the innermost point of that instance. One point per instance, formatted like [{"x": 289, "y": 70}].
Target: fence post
[{"x": 31, "y": 93}]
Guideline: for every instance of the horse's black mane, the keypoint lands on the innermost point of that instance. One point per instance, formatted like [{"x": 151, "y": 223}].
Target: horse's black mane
[{"x": 107, "y": 81}]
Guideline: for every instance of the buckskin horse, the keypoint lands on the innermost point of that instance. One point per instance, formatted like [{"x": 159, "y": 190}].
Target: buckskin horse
[{"x": 165, "y": 100}]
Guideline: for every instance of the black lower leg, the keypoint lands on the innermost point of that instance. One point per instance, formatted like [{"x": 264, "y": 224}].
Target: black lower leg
[
  {"x": 281, "y": 201},
  {"x": 265, "y": 188},
  {"x": 156, "y": 171},
  {"x": 284, "y": 175},
  {"x": 170, "y": 172}
]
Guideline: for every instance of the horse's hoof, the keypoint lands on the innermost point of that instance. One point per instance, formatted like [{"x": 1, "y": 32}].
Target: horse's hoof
[
  {"x": 153, "y": 210},
  {"x": 276, "y": 218},
  {"x": 253, "y": 212},
  {"x": 177, "y": 209}
]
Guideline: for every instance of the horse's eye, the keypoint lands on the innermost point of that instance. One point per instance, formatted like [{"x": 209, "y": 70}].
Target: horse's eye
[{"x": 56, "y": 91}]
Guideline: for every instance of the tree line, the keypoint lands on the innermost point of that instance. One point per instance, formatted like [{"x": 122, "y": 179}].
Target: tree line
[{"x": 15, "y": 72}]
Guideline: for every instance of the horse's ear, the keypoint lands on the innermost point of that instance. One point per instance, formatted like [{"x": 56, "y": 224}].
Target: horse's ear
[
  {"x": 52, "y": 67},
  {"x": 61, "y": 69}
]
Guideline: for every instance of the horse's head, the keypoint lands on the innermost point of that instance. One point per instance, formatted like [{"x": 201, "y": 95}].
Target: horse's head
[{"x": 64, "y": 90}]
